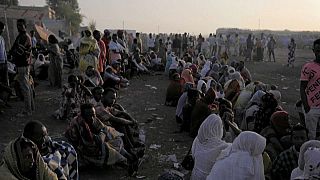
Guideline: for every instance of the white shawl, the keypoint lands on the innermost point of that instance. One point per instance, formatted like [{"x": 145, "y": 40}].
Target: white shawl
[
  {"x": 207, "y": 146},
  {"x": 244, "y": 161}
]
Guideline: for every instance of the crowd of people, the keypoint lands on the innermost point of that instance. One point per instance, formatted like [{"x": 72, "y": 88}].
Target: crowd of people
[{"x": 239, "y": 128}]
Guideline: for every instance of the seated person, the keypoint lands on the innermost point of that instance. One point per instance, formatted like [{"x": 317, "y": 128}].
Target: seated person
[
  {"x": 92, "y": 78},
  {"x": 278, "y": 128},
  {"x": 60, "y": 156},
  {"x": 288, "y": 160},
  {"x": 193, "y": 96},
  {"x": 41, "y": 66},
  {"x": 96, "y": 143},
  {"x": 120, "y": 120},
  {"x": 70, "y": 102},
  {"x": 112, "y": 80},
  {"x": 22, "y": 160},
  {"x": 96, "y": 96},
  {"x": 181, "y": 102},
  {"x": 201, "y": 111},
  {"x": 263, "y": 115},
  {"x": 174, "y": 91}
]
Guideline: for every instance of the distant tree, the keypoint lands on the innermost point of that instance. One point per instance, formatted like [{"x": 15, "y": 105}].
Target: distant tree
[
  {"x": 68, "y": 10},
  {"x": 92, "y": 25},
  {"x": 9, "y": 2}
]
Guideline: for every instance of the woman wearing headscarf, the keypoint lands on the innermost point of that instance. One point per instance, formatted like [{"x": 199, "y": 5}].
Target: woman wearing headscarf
[
  {"x": 182, "y": 101},
  {"x": 56, "y": 63},
  {"x": 243, "y": 161},
  {"x": 22, "y": 161},
  {"x": 89, "y": 52},
  {"x": 301, "y": 161},
  {"x": 252, "y": 107},
  {"x": 232, "y": 90},
  {"x": 202, "y": 86},
  {"x": 174, "y": 91},
  {"x": 201, "y": 111},
  {"x": 206, "y": 68},
  {"x": 186, "y": 77},
  {"x": 41, "y": 67},
  {"x": 207, "y": 146},
  {"x": 311, "y": 170}
]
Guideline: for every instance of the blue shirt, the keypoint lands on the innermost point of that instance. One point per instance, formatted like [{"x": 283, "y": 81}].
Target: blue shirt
[{"x": 3, "y": 54}]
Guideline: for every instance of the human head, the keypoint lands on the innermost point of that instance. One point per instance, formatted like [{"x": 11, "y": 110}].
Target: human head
[
  {"x": 250, "y": 142},
  {"x": 305, "y": 146},
  {"x": 27, "y": 154},
  {"x": 150, "y": 35},
  {"x": 299, "y": 135},
  {"x": 211, "y": 128},
  {"x": 97, "y": 35},
  {"x": 52, "y": 39},
  {"x": 37, "y": 133},
  {"x": 109, "y": 97},
  {"x": 114, "y": 37},
  {"x": 73, "y": 80},
  {"x": 241, "y": 65},
  {"x": 193, "y": 95},
  {"x": 137, "y": 35},
  {"x": 41, "y": 57},
  {"x": 312, "y": 164},
  {"x": 280, "y": 121},
  {"x": 90, "y": 71},
  {"x": 88, "y": 113},
  {"x": 97, "y": 93},
  {"x": 2, "y": 26},
  {"x": 316, "y": 50},
  {"x": 202, "y": 86},
  {"x": 210, "y": 96},
  {"x": 32, "y": 33},
  {"x": 21, "y": 25},
  {"x": 87, "y": 33},
  {"x": 269, "y": 101}
]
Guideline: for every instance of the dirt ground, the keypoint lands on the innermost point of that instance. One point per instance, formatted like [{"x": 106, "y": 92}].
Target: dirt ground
[{"x": 137, "y": 98}]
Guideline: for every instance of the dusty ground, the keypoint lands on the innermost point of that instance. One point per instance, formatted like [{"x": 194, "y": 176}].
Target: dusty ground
[{"x": 137, "y": 98}]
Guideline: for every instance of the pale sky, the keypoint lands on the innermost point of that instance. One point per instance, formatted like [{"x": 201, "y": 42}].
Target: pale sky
[{"x": 198, "y": 16}]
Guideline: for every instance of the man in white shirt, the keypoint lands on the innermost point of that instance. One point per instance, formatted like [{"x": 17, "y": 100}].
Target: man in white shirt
[
  {"x": 115, "y": 48},
  {"x": 151, "y": 42}
]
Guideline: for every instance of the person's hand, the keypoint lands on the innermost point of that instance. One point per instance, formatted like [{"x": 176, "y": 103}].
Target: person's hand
[
  {"x": 228, "y": 116},
  {"x": 102, "y": 136}
]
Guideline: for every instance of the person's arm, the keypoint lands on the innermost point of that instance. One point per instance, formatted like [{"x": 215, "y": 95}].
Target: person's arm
[
  {"x": 119, "y": 120},
  {"x": 303, "y": 86}
]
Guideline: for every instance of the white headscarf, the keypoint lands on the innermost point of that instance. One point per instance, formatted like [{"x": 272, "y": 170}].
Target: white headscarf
[
  {"x": 244, "y": 161},
  {"x": 301, "y": 161},
  {"x": 312, "y": 164},
  {"x": 210, "y": 82},
  {"x": 256, "y": 98},
  {"x": 207, "y": 146},
  {"x": 206, "y": 68},
  {"x": 200, "y": 84}
]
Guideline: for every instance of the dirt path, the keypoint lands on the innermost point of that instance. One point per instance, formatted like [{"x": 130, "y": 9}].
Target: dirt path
[{"x": 137, "y": 99}]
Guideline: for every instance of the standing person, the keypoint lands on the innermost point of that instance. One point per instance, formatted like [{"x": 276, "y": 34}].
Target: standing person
[
  {"x": 292, "y": 53},
  {"x": 237, "y": 46},
  {"x": 162, "y": 52},
  {"x": 264, "y": 44},
  {"x": 176, "y": 44},
  {"x": 89, "y": 51},
  {"x": 33, "y": 39},
  {"x": 271, "y": 45},
  {"x": 21, "y": 52},
  {"x": 103, "y": 52},
  {"x": 139, "y": 41},
  {"x": 184, "y": 43},
  {"x": 151, "y": 43},
  {"x": 115, "y": 49},
  {"x": 249, "y": 47},
  {"x": 168, "y": 44},
  {"x": 106, "y": 39},
  {"x": 3, "y": 59},
  {"x": 310, "y": 91},
  {"x": 56, "y": 62}
]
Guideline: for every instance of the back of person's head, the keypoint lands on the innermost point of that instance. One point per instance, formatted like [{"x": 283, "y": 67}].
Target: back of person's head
[
  {"x": 316, "y": 42},
  {"x": 109, "y": 90},
  {"x": 72, "y": 79},
  {"x": 52, "y": 39},
  {"x": 298, "y": 127},
  {"x": 250, "y": 142},
  {"x": 30, "y": 128},
  {"x": 22, "y": 21},
  {"x": 280, "y": 119},
  {"x": 97, "y": 89}
]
